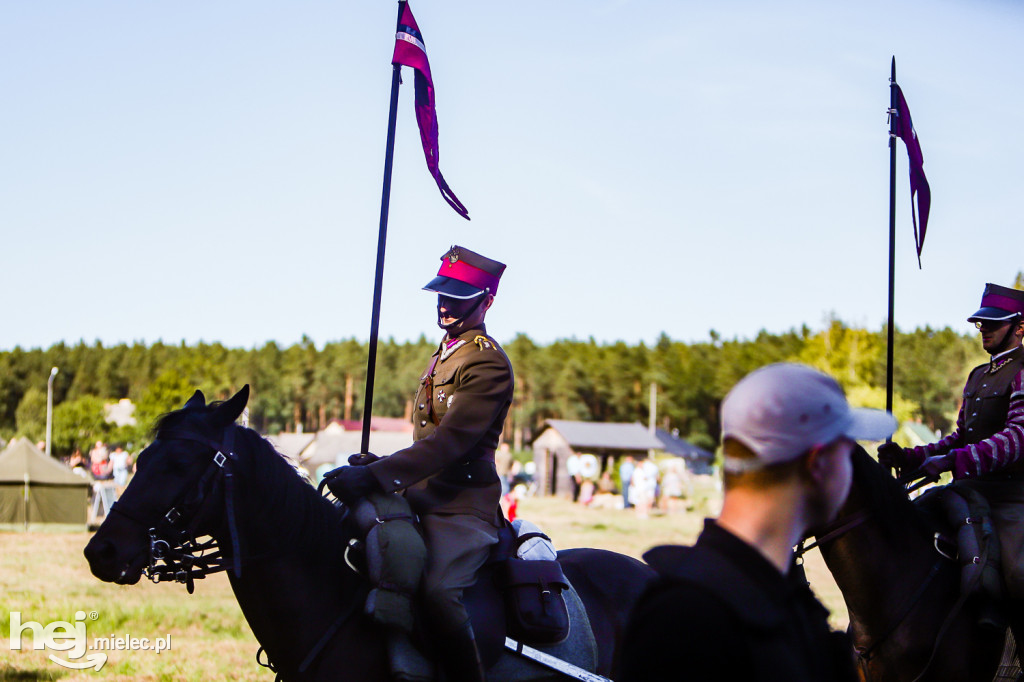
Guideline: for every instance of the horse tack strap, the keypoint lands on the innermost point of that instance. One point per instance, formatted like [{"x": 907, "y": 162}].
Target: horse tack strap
[
  {"x": 223, "y": 454},
  {"x": 327, "y": 636},
  {"x": 842, "y": 527},
  {"x": 904, "y": 612},
  {"x": 317, "y": 649},
  {"x": 428, "y": 388}
]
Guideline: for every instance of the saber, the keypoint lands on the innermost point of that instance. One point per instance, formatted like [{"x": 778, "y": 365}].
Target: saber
[{"x": 556, "y": 664}]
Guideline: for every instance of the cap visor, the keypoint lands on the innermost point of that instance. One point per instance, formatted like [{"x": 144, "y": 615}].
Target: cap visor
[
  {"x": 452, "y": 287},
  {"x": 993, "y": 314},
  {"x": 867, "y": 424}
]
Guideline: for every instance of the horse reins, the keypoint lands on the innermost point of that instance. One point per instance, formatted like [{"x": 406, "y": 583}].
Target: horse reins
[
  {"x": 840, "y": 527},
  {"x": 836, "y": 529}
]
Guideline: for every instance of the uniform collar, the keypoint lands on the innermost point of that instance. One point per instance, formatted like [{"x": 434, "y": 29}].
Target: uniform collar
[
  {"x": 467, "y": 335},
  {"x": 449, "y": 345},
  {"x": 998, "y": 361}
]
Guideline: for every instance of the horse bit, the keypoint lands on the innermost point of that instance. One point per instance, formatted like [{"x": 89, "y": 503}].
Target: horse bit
[{"x": 174, "y": 552}]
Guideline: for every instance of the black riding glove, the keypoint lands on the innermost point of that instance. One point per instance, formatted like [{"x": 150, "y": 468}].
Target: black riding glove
[
  {"x": 362, "y": 459},
  {"x": 352, "y": 483},
  {"x": 932, "y": 467},
  {"x": 891, "y": 455}
]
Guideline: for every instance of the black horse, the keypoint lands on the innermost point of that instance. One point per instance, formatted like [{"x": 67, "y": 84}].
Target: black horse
[
  {"x": 907, "y": 619},
  {"x": 284, "y": 546}
]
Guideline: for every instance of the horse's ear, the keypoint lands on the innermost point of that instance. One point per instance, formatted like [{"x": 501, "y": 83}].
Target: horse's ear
[
  {"x": 231, "y": 409},
  {"x": 197, "y": 400}
]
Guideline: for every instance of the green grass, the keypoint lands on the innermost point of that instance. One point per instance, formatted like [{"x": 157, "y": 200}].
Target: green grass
[{"x": 46, "y": 578}]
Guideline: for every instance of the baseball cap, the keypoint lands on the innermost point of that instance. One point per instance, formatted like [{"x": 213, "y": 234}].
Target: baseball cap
[
  {"x": 783, "y": 410},
  {"x": 999, "y": 304},
  {"x": 466, "y": 274}
]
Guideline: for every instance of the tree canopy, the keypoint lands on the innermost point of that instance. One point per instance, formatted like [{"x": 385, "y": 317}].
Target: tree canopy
[{"x": 308, "y": 386}]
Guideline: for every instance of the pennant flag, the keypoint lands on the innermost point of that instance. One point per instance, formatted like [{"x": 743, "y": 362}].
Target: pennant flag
[
  {"x": 918, "y": 182},
  {"x": 410, "y": 51}
]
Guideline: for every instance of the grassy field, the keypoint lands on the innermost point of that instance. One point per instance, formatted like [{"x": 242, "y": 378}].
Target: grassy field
[{"x": 45, "y": 578}]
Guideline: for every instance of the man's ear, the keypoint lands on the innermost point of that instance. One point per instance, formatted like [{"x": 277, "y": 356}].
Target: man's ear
[{"x": 814, "y": 464}]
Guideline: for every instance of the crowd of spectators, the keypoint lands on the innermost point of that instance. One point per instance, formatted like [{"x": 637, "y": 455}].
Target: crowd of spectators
[{"x": 109, "y": 472}]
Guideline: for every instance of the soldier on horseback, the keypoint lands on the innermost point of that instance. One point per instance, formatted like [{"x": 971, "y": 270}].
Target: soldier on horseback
[
  {"x": 448, "y": 473},
  {"x": 986, "y": 451}
]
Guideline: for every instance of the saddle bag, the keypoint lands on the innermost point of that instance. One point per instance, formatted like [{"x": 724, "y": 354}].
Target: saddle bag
[
  {"x": 535, "y": 606},
  {"x": 395, "y": 557}
]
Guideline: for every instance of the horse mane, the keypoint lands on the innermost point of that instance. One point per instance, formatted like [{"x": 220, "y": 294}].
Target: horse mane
[
  {"x": 313, "y": 523},
  {"x": 884, "y": 496}
]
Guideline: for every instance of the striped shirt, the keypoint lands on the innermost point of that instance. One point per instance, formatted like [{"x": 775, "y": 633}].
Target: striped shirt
[{"x": 999, "y": 449}]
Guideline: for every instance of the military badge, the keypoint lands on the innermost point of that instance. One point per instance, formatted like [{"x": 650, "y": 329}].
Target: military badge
[
  {"x": 441, "y": 395},
  {"x": 452, "y": 256}
]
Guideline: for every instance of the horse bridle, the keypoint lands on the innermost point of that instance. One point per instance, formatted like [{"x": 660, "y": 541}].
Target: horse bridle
[
  {"x": 174, "y": 552},
  {"x": 840, "y": 527}
]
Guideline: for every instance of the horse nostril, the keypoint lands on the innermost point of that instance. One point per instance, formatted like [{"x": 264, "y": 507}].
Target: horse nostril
[{"x": 99, "y": 552}]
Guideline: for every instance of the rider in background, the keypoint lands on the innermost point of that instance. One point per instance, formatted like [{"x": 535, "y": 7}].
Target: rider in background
[
  {"x": 448, "y": 473},
  {"x": 736, "y": 605},
  {"x": 987, "y": 446}
]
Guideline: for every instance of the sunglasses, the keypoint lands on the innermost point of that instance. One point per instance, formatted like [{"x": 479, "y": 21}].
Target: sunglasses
[{"x": 992, "y": 325}]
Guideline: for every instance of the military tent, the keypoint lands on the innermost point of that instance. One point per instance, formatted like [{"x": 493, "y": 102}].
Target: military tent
[{"x": 38, "y": 492}]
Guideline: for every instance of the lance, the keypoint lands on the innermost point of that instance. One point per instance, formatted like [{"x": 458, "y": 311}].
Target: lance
[
  {"x": 382, "y": 236},
  {"x": 893, "y": 113},
  {"x": 891, "y": 326}
]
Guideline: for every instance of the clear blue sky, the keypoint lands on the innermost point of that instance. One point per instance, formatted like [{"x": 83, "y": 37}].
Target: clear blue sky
[{"x": 212, "y": 170}]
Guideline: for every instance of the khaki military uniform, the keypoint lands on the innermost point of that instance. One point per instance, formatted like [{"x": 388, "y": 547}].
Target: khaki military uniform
[{"x": 448, "y": 473}]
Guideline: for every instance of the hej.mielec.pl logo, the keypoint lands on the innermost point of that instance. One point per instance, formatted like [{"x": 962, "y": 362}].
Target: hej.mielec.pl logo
[{"x": 71, "y": 637}]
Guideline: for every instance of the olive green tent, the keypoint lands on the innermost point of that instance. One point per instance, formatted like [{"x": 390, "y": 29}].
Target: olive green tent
[{"x": 38, "y": 492}]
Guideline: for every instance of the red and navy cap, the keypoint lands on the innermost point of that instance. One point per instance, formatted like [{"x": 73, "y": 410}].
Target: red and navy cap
[
  {"x": 466, "y": 274},
  {"x": 999, "y": 304}
]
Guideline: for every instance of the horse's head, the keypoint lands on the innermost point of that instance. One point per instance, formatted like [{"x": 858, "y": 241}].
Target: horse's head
[
  {"x": 877, "y": 507},
  {"x": 875, "y": 489},
  {"x": 175, "y": 493}
]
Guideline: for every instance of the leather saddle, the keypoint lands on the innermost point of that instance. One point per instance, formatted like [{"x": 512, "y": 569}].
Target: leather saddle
[{"x": 387, "y": 548}]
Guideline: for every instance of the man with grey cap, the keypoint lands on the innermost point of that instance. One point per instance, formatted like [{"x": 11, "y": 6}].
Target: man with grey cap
[
  {"x": 986, "y": 450},
  {"x": 448, "y": 473},
  {"x": 736, "y": 605}
]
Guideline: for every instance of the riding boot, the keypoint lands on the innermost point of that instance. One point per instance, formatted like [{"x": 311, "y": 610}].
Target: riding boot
[{"x": 460, "y": 657}]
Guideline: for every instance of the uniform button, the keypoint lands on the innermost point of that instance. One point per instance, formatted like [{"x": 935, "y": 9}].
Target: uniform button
[
  {"x": 433, "y": 374},
  {"x": 468, "y": 476},
  {"x": 397, "y": 482},
  {"x": 422, "y": 406},
  {"x": 423, "y": 422}
]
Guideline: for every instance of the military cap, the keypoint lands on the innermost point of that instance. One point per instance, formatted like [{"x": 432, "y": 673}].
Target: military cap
[
  {"x": 466, "y": 274},
  {"x": 999, "y": 304}
]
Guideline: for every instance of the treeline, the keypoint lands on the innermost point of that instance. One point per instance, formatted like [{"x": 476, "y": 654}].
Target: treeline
[{"x": 568, "y": 379}]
